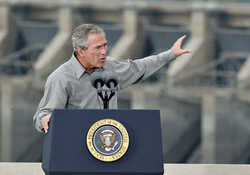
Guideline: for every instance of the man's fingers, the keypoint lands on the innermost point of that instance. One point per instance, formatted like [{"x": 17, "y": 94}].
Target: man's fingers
[
  {"x": 46, "y": 130},
  {"x": 45, "y": 123},
  {"x": 183, "y": 37},
  {"x": 186, "y": 51},
  {"x": 176, "y": 48},
  {"x": 179, "y": 41}
]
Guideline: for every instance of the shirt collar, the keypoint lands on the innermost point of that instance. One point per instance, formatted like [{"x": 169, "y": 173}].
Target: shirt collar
[{"x": 78, "y": 69}]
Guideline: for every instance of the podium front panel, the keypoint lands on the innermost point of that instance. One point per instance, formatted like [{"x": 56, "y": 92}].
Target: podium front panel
[{"x": 65, "y": 150}]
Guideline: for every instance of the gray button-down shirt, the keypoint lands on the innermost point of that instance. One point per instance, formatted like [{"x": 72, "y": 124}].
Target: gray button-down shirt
[{"x": 69, "y": 86}]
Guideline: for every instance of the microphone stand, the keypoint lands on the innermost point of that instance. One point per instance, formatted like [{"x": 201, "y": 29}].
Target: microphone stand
[
  {"x": 98, "y": 80},
  {"x": 106, "y": 98}
]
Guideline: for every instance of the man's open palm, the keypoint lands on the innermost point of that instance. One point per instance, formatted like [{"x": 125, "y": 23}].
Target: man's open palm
[{"x": 176, "y": 48}]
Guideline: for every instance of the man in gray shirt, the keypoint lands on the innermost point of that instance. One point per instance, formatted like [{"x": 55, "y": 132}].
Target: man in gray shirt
[{"x": 69, "y": 86}]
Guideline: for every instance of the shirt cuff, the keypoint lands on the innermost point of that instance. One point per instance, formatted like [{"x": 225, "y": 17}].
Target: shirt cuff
[
  {"x": 41, "y": 116},
  {"x": 167, "y": 55}
]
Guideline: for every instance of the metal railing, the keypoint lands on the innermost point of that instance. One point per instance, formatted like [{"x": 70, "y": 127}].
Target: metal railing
[{"x": 215, "y": 77}]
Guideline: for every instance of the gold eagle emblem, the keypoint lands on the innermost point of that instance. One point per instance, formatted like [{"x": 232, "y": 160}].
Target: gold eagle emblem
[{"x": 108, "y": 140}]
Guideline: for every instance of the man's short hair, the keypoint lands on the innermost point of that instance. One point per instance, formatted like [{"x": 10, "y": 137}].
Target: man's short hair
[{"x": 80, "y": 35}]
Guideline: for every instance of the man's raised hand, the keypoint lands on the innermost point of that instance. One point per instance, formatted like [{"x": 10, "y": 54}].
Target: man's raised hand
[{"x": 176, "y": 48}]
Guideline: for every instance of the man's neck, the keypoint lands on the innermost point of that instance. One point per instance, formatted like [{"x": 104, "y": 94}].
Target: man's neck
[{"x": 84, "y": 65}]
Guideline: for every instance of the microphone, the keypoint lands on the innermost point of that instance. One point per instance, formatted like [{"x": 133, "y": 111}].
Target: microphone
[
  {"x": 97, "y": 80},
  {"x": 112, "y": 84},
  {"x": 112, "y": 81}
]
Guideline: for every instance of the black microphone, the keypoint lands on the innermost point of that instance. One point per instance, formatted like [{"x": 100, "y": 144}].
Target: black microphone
[
  {"x": 112, "y": 81},
  {"x": 112, "y": 84},
  {"x": 97, "y": 80}
]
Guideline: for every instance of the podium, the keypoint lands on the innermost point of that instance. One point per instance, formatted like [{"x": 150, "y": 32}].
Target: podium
[{"x": 66, "y": 152}]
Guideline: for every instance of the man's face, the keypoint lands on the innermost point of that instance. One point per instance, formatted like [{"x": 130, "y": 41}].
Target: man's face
[{"x": 95, "y": 54}]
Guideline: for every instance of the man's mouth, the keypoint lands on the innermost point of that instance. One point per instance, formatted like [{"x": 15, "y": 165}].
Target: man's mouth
[{"x": 103, "y": 59}]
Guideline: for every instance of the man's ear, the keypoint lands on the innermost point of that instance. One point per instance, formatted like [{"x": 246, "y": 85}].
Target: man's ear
[{"x": 80, "y": 51}]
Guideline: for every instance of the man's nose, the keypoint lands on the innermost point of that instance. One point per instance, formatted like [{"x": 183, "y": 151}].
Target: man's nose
[{"x": 103, "y": 50}]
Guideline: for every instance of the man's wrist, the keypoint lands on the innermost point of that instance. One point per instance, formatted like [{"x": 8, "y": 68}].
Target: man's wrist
[{"x": 168, "y": 55}]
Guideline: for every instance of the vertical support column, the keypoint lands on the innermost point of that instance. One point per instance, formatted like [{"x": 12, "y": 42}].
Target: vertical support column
[
  {"x": 201, "y": 44},
  {"x": 138, "y": 99},
  {"x": 201, "y": 28},
  {"x": 208, "y": 129},
  {"x": 131, "y": 43},
  {"x": 144, "y": 98},
  {"x": 198, "y": 25},
  {"x": 225, "y": 130},
  {"x": 243, "y": 77},
  {"x": 65, "y": 19},
  {"x": 60, "y": 47},
  {"x": 8, "y": 30},
  {"x": 6, "y": 120}
]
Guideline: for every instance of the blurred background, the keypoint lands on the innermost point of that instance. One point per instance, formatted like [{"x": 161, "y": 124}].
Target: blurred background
[{"x": 204, "y": 97}]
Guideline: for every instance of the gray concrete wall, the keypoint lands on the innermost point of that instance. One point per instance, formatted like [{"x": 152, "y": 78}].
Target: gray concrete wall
[
  {"x": 6, "y": 119},
  {"x": 131, "y": 43},
  {"x": 18, "y": 138},
  {"x": 225, "y": 129},
  {"x": 180, "y": 120},
  {"x": 198, "y": 17},
  {"x": 201, "y": 45},
  {"x": 60, "y": 47},
  {"x": 243, "y": 76},
  {"x": 169, "y": 169},
  {"x": 8, "y": 31}
]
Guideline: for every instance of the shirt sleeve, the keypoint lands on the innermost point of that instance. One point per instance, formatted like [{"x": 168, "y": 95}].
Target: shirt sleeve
[
  {"x": 55, "y": 96},
  {"x": 134, "y": 71}
]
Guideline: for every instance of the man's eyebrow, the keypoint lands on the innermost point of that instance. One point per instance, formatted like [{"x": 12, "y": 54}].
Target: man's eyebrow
[{"x": 100, "y": 45}]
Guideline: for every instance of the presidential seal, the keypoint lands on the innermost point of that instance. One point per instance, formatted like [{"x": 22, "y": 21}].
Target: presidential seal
[{"x": 107, "y": 140}]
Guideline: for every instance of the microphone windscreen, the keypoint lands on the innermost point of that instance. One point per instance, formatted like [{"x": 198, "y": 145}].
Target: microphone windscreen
[
  {"x": 111, "y": 79},
  {"x": 97, "y": 78}
]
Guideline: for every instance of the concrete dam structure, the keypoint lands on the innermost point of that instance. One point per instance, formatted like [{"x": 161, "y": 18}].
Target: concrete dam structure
[{"x": 203, "y": 97}]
